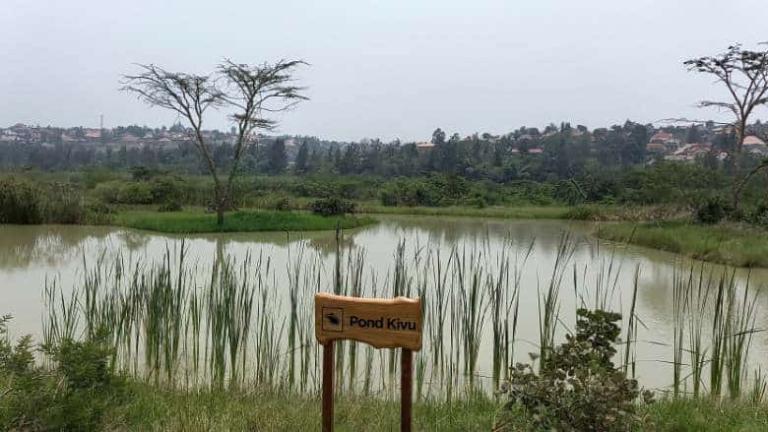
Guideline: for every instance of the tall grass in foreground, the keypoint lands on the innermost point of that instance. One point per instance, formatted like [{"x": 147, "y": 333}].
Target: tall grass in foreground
[
  {"x": 238, "y": 322},
  {"x": 707, "y": 303}
]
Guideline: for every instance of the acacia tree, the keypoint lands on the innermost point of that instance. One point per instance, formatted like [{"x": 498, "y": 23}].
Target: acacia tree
[
  {"x": 249, "y": 94},
  {"x": 744, "y": 73}
]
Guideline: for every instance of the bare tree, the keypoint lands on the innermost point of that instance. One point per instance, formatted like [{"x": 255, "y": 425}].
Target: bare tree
[
  {"x": 250, "y": 93},
  {"x": 744, "y": 74}
]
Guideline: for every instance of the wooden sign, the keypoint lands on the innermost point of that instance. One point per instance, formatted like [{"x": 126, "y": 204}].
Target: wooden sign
[{"x": 383, "y": 323}]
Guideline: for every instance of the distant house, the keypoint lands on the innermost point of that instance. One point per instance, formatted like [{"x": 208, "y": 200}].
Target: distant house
[
  {"x": 92, "y": 133},
  {"x": 663, "y": 143},
  {"x": 424, "y": 146},
  {"x": 690, "y": 152},
  {"x": 656, "y": 148},
  {"x": 753, "y": 140},
  {"x": 129, "y": 138},
  {"x": 536, "y": 150},
  {"x": 755, "y": 145}
]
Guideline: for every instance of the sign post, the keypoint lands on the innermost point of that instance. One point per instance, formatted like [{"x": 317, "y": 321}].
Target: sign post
[{"x": 383, "y": 323}]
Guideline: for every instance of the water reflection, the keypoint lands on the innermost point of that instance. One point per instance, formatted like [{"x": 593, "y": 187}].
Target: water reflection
[{"x": 24, "y": 246}]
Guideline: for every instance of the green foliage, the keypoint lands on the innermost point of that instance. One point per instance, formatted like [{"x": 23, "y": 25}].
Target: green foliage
[
  {"x": 242, "y": 221},
  {"x": 731, "y": 244},
  {"x": 23, "y": 202},
  {"x": 578, "y": 388},
  {"x": 135, "y": 193},
  {"x": 332, "y": 207},
  {"x": 759, "y": 215},
  {"x": 158, "y": 190},
  {"x": 170, "y": 206},
  {"x": 711, "y": 210},
  {"x": 64, "y": 205},
  {"x": 74, "y": 394},
  {"x": 140, "y": 173},
  {"x": 19, "y": 202}
]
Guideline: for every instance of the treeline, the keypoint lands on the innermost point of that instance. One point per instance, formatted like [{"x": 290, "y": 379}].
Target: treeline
[{"x": 554, "y": 153}]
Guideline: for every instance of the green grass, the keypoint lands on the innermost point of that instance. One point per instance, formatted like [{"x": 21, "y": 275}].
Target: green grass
[
  {"x": 169, "y": 410},
  {"x": 197, "y": 222},
  {"x": 150, "y": 408},
  {"x": 522, "y": 212},
  {"x": 701, "y": 415},
  {"x": 736, "y": 245}
]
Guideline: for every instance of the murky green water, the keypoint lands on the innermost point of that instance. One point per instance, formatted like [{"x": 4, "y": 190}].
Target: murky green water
[{"x": 32, "y": 255}]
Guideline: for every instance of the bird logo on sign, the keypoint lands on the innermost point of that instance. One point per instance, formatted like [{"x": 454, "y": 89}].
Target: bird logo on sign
[{"x": 333, "y": 319}]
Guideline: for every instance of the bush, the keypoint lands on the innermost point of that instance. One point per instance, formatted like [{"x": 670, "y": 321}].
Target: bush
[
  {"x": 19, "y": 202},
  {"x": 711, "y": 210},
  {"x": 578, "y": 388},
  {"x": 164, "y": 189},
  {"x": 64, "y": 205},
  {"x": 135, "y": 193},
  {"x": 108, "y": 192},
  {"x": 120, "y": 192},
  {"x": 74, "y": 394},
  {"x": 332, "y": 207},
  {"x": 99, "y": 213},
  {"x": 760, "y": 215}
]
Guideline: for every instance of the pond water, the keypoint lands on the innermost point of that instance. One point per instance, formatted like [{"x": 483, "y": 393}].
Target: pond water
[{"x": 591, "y": 272}]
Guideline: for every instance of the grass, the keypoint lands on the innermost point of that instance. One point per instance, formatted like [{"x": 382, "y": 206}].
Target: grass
[
  {"x": 725, "y": 244},
  {"x": 151, "y": 408},
  {"x": 705, "y": 414},
  {"x": 169, "y": 410},
  {"x": 509, "y": 212},
  {"x": 198, "y": 222}
]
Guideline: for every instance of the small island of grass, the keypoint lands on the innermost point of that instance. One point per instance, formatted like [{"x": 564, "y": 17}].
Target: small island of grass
[
  {"x": 732, "y": 244},
  {"x": 199, "y": 222}
]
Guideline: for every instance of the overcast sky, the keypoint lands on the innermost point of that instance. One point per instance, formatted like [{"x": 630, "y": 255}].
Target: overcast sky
[{"x": 389, "y": 68}]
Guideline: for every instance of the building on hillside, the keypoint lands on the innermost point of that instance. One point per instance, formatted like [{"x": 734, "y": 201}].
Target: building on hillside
[
  {"x": 690, "y": 152},
  {"x": 92, "y": 134},
  {"x": 656, "y": 148},
  {"x": 424, "y": 146},
  {"x": 662, "y": 138},
  {"x": 755, "y": 145}
]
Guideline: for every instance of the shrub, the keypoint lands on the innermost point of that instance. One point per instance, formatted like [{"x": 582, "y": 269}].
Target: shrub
[
  {"x": 135, "y": 193},
  {"x": 760, "y": 215},
  {"x": 64, "y": 205},
  {"x": 332, "y": 207},
  {"x": 74, "y": 394},
  {"x": 578, "y": 388},
  {"x": 99, "y": 213},
  {"x": 711, "y": 210},
  {"x": 19, "y": 202},
  {"x": 164, "y": 189},
  {"x": 108, "y": 192}
]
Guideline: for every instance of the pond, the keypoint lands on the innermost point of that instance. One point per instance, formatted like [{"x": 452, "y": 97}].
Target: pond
[{"x": 479, "y": 278}]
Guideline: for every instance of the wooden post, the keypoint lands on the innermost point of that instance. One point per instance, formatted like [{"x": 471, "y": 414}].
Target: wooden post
[
  {"x": 406, "y": 389},
  {"x": 328, "y": 367}
]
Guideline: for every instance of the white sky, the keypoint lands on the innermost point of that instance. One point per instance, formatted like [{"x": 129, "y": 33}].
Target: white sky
[{"x": 390, "y": 68}]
